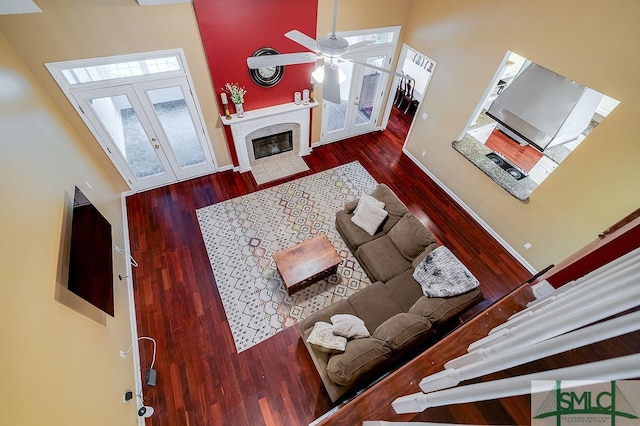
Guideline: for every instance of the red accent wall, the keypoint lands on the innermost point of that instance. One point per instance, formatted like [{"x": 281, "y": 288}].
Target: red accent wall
[{"x": 232, "y": 30}]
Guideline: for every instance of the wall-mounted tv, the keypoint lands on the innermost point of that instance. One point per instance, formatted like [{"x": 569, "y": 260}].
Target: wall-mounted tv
[{"x": 90, "y": 257}]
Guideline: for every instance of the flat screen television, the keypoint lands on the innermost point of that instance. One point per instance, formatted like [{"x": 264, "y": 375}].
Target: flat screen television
[{"x": 90, "y": 255}]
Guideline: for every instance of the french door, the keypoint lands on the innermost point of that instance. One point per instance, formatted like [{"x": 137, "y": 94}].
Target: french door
[
  {"x": 150, "y": 128},
  {"x": 143, "y": 113},
  {"x": 361, "y": 93}
]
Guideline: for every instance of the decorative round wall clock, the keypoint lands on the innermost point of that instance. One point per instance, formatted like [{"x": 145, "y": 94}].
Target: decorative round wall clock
[{"x": 266, "y": 76}]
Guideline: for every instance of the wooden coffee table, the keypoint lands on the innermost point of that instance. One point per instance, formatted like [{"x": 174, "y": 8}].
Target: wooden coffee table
[{"x": 306, "y": 263}]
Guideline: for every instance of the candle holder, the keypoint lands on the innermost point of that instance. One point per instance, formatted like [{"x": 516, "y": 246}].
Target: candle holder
[{"x": 225, "y": 105}]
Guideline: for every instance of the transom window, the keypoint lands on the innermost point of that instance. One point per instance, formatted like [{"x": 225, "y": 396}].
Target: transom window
[
  {"x": 121, "y": 70},
  {"x": 118, "y": 69}
]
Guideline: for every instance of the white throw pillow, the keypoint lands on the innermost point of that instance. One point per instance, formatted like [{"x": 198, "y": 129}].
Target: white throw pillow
[
  {"x": 366, "y": 198},
  {"x": 369, "y": 217},
  {"x": 323, "y": 339},
  {"x": 441, "y": 274},
  {"x": 349, "y": 326}
]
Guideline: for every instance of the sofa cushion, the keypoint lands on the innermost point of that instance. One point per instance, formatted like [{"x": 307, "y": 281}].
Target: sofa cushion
[
  {"x": 393, "y": 205},
  {"x": 439, "y": 310},
  {"x": 381, "y": 260},
  {"x": 340, "y": 307},
  {"x": 350, "y": 206},
  {"x": 349, "y": 326},
  {"x": 374, "y": 304},
  {"x": 352, "y": 234},
  {"x": 441, "y": 274},
  {"x": 323, "y": 339},
  {"x": 410, "y": 236},
  {"x": 405, "y": 290},
  {"x": 369, "y": 217},
  {"x": 360, "y": 357},
  {"x": 403, "y": 330}
]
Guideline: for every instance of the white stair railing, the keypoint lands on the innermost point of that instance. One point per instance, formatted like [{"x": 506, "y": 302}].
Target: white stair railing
[
  {"x": 522, "y": 354},
  {"x": 620, "y": 368},
  {"x": 555, "y": 324},
  {"x": 586, "y": 303}
]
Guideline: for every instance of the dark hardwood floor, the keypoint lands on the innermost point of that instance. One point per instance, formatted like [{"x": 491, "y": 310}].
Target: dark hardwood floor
[{"x": 201, "y": 379}]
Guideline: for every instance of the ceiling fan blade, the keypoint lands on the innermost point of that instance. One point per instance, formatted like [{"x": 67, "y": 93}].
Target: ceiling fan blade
[
  {"x": 358, "y": 45},
  {"x": 302, "y": 39},
  {"x": 264, "y": 61},
  {"x": 375, "y": 67},
  {"x": 331, "y": 83}
]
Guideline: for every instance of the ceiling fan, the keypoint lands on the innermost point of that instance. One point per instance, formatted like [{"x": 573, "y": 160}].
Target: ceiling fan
[{"x": 330, "y": 48}]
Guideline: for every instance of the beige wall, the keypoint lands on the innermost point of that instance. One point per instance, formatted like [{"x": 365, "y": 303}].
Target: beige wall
[
  {"x": 60, "y": 362},
  {"x": 591, "y": 42},
  {"x": 78, "y": 29}
]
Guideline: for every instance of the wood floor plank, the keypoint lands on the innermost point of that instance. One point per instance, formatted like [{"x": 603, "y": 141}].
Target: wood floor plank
[
  {"x": 201, "y": 379},
  {"x": 524, "y": 157}
]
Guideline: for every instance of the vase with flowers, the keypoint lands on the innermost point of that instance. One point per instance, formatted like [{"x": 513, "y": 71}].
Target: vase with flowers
[{"x": 236, "y": 93}]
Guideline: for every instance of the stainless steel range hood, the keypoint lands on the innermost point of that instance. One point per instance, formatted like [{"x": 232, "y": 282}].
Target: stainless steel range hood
[{"x": 543, "y": 108}]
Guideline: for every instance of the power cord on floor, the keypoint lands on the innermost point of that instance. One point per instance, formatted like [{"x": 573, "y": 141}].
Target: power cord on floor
[{"x": 153, "y": 361}]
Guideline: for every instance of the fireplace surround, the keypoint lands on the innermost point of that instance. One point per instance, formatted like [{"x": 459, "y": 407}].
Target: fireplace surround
[{"x": 264, "y": 122}]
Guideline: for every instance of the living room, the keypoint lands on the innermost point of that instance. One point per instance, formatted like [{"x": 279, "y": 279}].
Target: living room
[{"x": 592, "y": 190}]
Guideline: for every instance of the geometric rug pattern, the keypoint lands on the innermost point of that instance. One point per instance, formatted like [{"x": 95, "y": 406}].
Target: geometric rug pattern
[{"x": 242, "y": 234}]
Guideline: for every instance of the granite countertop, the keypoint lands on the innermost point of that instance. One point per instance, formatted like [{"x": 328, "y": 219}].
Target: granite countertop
[{"x": 475, "y": 151}]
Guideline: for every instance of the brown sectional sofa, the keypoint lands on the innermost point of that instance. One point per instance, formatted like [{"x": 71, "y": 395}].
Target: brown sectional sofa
[{"x": 399, "y": 318}]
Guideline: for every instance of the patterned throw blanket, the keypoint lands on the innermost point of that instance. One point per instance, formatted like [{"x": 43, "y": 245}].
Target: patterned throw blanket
[{"x": 441, "y": 274}]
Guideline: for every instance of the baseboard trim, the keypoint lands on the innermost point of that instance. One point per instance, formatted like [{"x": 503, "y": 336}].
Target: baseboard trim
[
  {"x": 473, "y": 214},
  {"x": 132, "y": 307}
]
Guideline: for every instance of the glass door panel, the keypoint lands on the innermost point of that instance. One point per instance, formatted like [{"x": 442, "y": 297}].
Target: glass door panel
[
  {"x": 368, "y": 96},
  {"x": 173, "y": 115},
  {"x": 118, "y": 117},
  {"x": 337, "y": 113},
  {"x": 174, "y": 112}
]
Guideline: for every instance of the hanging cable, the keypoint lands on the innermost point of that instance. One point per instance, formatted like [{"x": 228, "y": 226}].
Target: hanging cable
[{"x": 154, "y": 348}]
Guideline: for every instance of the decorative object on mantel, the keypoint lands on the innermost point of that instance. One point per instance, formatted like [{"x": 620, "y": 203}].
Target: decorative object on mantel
[
  {"x": 305, "y": 97},
  {"x": 237, "y": 97},
  {"x": 297, "y": 98},
  {"x": 225, "y": 105}
]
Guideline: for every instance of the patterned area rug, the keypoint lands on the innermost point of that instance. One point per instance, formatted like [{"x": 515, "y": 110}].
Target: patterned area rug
[{"x": 242, "y": 234}]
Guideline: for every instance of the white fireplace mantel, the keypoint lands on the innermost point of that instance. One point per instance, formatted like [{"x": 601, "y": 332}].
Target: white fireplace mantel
[{"x": 263, "y": 117}]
